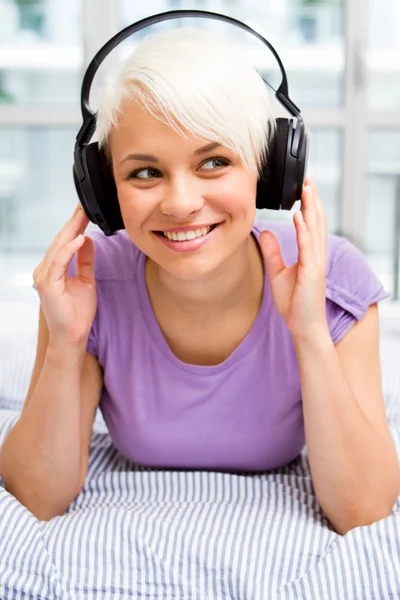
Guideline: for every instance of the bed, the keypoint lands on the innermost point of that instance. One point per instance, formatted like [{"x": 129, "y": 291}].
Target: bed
[{"x": 161, "y": 534}]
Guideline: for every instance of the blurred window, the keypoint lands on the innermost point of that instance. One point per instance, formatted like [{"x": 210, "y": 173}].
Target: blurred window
[
  {"x": 37, "y": 193},
  {"x": 41, "y": 54},
  {"x": 383, "y": 55},
  {"x": 382, "y": 203}
]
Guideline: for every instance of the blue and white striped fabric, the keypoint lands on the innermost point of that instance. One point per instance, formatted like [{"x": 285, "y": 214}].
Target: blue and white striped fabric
[{"x": 149, "y": 534}]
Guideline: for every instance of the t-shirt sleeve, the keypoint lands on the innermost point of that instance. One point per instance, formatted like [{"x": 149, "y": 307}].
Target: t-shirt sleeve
[
  {"x": 352, "y": 286},
  {"x": 91, "y": 343}
]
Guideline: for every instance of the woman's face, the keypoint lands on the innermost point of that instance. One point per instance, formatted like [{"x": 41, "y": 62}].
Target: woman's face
[{"x": 166, "y": 182}]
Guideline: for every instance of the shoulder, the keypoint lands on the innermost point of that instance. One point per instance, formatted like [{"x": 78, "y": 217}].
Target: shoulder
[
  {"x": 114, "y": 256},
  {"x": 351, "y": 281}
]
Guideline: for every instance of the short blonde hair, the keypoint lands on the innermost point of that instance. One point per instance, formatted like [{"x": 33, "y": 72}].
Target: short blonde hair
[{"x": 194, "y": 82}]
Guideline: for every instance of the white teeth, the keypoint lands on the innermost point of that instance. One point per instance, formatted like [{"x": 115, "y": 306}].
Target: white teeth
[{"x": 182, "y": 236}]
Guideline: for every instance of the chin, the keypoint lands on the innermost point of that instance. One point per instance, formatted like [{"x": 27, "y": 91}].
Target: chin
[{"x": 188, "y": 268}]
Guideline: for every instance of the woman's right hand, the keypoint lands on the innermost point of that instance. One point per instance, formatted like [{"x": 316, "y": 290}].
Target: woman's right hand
[{"x": 68, "y": 303}]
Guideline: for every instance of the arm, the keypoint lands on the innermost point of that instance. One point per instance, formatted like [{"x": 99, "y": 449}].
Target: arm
[
  {"x": 352, "y": 457},
  {"x": 353, "y": 461},
  {"x": 43, "y": 460}
]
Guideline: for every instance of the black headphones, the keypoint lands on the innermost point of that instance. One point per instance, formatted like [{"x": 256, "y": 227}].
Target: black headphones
[{"x": 282, "y": 177}]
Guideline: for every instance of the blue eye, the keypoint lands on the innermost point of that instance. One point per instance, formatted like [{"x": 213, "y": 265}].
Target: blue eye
[
  {"x": 138, "y": 174},
  {"x": 217, "y": 163}
]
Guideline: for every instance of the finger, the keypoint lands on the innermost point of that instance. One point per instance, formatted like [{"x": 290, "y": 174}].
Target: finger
[
  {"x": 75, "y": 226},
  {"x": 322, "y": 229},
  {"x": 305, "y": 249},
  {"x": 320, "y": 210},
  {"x": 77, "y": 209},
  {"x": 310, "y": 181},
  {"x": 316, "y": 222},
  {"x": 308, "y": 208},
  {"x": 272, "y": 254},
  {"x": 58, "y": 268},
  {"x": 316, "y": 195},
  {"x": 85, "y": 262}
]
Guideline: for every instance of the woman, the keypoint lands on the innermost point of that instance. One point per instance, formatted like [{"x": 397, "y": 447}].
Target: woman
[{"x": 209, "y": 340}]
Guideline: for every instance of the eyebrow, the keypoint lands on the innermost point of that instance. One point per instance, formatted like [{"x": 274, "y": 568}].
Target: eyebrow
[
  {"x": 206, "y": 148},
  {"x": 150, "y": 157}
]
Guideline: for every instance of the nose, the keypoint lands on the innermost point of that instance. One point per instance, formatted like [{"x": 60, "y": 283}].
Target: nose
[{"x": 181, "y": 198}]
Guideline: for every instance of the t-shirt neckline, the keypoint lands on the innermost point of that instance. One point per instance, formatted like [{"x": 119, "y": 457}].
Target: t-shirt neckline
[{"x": 260, "y": 323}]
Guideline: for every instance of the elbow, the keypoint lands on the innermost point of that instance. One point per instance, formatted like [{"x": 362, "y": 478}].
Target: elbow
[
  {"x": 43, "y": 509},
  {"x": 362, "y": 514},
  {"x": 41, "y": 514},
  {"x": 361, "y": 518},
  {"x": 38, "y": 507}
]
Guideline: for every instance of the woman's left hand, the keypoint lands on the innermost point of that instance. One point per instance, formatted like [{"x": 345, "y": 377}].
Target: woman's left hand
[{"x": 298, "y": 291}]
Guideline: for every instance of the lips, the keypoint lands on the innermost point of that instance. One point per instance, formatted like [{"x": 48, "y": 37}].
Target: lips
[
  {"x": 191, "y": 244},
  {"x": 187, "y": 228},
  {"x": 181, "y": 236}
]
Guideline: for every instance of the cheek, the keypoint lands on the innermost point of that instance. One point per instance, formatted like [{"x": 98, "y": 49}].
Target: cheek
[
  {"x": 242, "y": 197},
  {"x": 135, "y": 206}
]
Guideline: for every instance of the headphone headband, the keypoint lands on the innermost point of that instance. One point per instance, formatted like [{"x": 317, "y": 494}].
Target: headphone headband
[{"x": 281, "y": 93}]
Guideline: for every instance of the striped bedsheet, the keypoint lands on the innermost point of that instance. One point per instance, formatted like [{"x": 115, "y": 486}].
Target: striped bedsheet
[{"x": 149, "y": 534}]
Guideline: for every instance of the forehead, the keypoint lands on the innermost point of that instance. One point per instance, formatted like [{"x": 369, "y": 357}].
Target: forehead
[
  {"x": 136, "y": 124},
  {"x": 135, "y": 120},
  {"x": 134, "y": 116}
]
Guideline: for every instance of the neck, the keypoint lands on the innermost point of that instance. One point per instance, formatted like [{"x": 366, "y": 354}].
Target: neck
[{"x": 236, "y": 284}]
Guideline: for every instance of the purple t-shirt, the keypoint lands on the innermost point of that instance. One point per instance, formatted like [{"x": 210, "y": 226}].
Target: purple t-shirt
[{"x": 242, "y": 414}]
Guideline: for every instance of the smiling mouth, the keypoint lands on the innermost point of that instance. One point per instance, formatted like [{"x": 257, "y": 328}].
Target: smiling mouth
[{"x": 185, "y": 236}]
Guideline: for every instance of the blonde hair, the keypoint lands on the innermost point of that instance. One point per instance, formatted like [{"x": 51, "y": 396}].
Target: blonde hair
[{"x": 194, "y": 82}]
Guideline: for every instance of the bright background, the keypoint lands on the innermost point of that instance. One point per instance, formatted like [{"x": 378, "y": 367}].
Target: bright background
[{"x": 342, "y": 59}]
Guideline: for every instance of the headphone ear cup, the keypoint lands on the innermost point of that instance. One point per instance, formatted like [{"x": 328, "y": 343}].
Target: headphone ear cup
[
  {"x": 282, "y": 178},
  {"x": 104, "y": 203},
  {"x": 270, "y": 183},
  {"x": 302, "y": 160}
]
